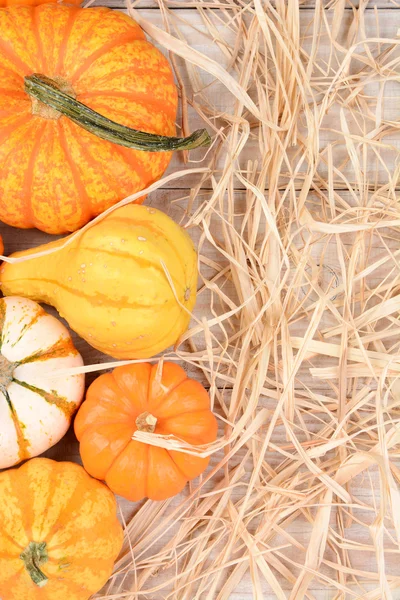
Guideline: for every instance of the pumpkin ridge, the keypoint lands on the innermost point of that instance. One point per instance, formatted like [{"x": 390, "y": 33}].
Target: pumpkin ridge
[
  {"x": 101, "y": 528},
  {"x": 125, "y": 395},
  {"x": 80, "y": 188},
  {"x": 8, "y": 537},
  {"x": 185, "y": 412},
  {"x": 80, "y": 592},
  {"x": 94, "y": 425},
  {"x": 157, "y": 231},
  {"x": 11, "y": 55},
  {"x": 52, "y": 398},
  {"x": 98, "y": 422},
  {"x": 27, "y": 187},
  {"x": 127, "y": 154},
  {"x": 14, "y": 74},
  {"x": 178, "y": 467},
  {"x": 22, "y": 123},
  {"x": 116, "y": 457},
  {"x": 17, "y": 33},
  {"x": 22, "y": 518},
  {"x": 159, "y": 340},
  {"x": 22, "y": 442},
  {"x": 80, "y": 483},
  {"x": 11, "y": 129},
  {"x": 93, "y": 565},
  {"x": 60, "y": 68},
  {"x": 34, "y": 320},
  {"x": 165, "y": 397},
  {"x": 166, "y": 453},
  {"x": 125, "y": 36},
  {"x": 50, "y": 497},
  {"x": 186, "y": 437},
  {"x": 16, "y": 93},
  {"x": 61, "y": 348},
  {"x": 92, "y": 158},
  {"x": 137, "y": 67},
  {"x": 145, "y": 262},
  {"x": 43, "y": 68}
]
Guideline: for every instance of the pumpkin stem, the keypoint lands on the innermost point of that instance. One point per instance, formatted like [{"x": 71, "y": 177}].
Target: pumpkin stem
[
  {"x": 6, "y": 372},
  {"x": 46, "y": 91},
  {"x": 33, "y": 557},
  {"x": 146, "y": 422}
]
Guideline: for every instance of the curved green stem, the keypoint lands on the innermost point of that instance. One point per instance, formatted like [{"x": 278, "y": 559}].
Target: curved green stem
[
  {"x": 33, "y": 557},
  {"x": 46, "y": 91}
]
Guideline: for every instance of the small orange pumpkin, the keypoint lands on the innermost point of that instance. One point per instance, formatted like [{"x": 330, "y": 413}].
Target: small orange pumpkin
[{"x": 153, "y": 399}]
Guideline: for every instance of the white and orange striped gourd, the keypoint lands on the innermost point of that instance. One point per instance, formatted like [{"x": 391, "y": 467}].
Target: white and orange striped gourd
[{"x": 36, "y": 406}]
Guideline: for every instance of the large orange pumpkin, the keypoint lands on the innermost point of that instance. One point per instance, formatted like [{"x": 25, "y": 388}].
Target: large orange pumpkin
[
  {"x": 148, "y": 398},
  {"x": 54, "y": 175}
]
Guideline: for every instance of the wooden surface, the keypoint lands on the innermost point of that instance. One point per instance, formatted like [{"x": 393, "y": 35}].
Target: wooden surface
[{"x": 172, "y": 199}]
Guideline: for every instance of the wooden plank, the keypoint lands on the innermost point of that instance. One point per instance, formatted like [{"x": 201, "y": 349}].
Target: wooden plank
[{"x": 221, "y": 4}]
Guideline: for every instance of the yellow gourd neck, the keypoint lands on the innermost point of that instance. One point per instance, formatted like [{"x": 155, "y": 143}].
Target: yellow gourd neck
[{"x": 33, "y": 274}]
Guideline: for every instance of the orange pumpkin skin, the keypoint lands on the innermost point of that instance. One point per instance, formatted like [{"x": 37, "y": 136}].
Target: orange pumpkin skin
[
  {"x": 74, "y": 516},
  {"x": 55, "y": 175},
  {"x": 106, "y": 423}
]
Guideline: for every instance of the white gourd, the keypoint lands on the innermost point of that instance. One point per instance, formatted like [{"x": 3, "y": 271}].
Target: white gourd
[{"x": 36, "y": 405}]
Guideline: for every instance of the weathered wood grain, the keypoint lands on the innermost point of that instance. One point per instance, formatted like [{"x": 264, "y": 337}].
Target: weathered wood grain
[{"x": 217, "y": 4}]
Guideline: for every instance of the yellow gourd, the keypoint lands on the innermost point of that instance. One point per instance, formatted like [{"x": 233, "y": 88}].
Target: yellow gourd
[{"x": 127, "y": 285}]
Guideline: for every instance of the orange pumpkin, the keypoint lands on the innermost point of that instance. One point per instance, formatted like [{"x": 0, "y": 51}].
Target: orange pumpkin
[
  {"x": 55, "y": 175},
  {"x": 148, "y": 398},
  {"x": 59, "y": 532}
]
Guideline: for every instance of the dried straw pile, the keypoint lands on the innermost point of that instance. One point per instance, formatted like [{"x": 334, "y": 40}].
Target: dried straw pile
[
  {"x": 297, "y": 326},
  {"x": 296, "y": 331}
]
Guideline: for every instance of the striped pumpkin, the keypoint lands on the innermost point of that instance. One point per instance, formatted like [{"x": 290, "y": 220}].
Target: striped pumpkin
[
  {"x": 59, "y": 532},
  {"x": 126, "y": 285},
  {"x": 55, "y": 175},
  {"x": 35, "y": 407}
]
